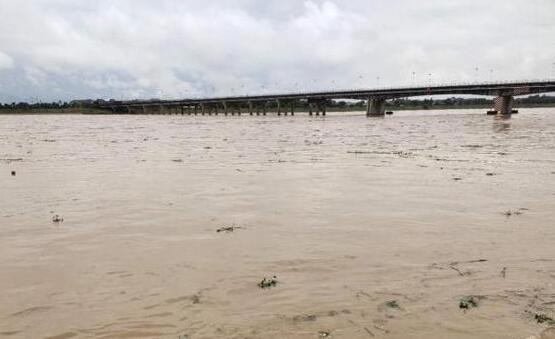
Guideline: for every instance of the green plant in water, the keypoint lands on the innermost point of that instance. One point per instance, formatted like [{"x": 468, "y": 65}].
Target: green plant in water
[
  {"x": 393, "y": 304},
  {"x": 268, "y": 283},
  {"x": 542, "y": 318},
  {"x": 467, "y": 303}
]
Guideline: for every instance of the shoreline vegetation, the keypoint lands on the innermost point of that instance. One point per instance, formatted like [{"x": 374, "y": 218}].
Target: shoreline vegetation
[{"x": 89, "y": 106}]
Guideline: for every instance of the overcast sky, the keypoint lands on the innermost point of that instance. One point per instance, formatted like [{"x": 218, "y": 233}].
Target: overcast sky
[{"x": 68, "y": 49}]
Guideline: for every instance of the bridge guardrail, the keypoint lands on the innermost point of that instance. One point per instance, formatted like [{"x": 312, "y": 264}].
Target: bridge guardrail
[{"x": 351, "y": 90}]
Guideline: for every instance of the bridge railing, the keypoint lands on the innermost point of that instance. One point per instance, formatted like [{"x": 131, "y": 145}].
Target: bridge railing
[
  {"x": 382, "y": 88},
  {"x": 354, "y": 90}
]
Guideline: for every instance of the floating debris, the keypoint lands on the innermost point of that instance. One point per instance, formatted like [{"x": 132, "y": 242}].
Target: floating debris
[
  {"x": 324, "y": 334},
  {"x": 454, "y": 266},
  {"x": 467, "y": 303},
  {"x": 510, "y": 213},
  {"x": 504, "y": 272},
  {"x": 268, "y": 283},
  {"x": 457, "y": 179},
  {"x": 393, "y": 304},
  {"x": 490, "y": 174},
  {"x": 57, "y": 219},
  {"x": 196, "y": 299},
  {"x": 229, "y": 229},
  {"x": 542, "y": 318},
  {"x": 177, "y": 160},
  {"x": 370, "y": 333},
  {"x": 398, "y": 153},
  {"x": 13, "y": 173},
  {"x": 307, "y": 318}
]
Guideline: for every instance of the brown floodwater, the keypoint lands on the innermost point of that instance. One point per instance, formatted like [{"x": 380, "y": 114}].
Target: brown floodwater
[{"x": 374, "y": 228}]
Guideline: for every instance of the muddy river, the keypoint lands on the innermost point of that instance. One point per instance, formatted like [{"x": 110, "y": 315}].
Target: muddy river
[{"x": 437, "y": 224}]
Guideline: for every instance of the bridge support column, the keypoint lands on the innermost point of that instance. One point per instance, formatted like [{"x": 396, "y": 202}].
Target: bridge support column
[
  {"x": 293, "y": 108},
  {"x": 225, "y": 107},
  {"x": 250, "y": 108},
  {"x": 503, "y": 104},
  {"x": 375, "y": 107},
  {"x": 321, "y": 108},
  {"x": 310, "y": 106},
  {"x": 264, "y": 108},
  {"x": 278, "y": 107}
]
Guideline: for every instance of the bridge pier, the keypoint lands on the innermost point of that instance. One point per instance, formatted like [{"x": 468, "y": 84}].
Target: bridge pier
[
  {"x": 292, "y": 108},
  {"x": 321, "y": 108},
  {"x": 375, "y": 107},
  {"x": 278, "y": 107},
  {"x": 503, "y": 104},
  {"x": 310, "y": 106}
]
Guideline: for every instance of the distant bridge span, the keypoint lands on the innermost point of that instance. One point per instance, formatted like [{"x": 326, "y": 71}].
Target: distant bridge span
[{"x": 504, "y": 93}]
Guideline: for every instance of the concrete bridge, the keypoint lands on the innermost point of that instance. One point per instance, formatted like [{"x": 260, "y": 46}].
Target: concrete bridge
[{"x": 285, "y": 103}]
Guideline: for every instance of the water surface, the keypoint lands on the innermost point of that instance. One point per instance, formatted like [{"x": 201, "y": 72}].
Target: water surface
[{"x": 349, "y": 213}]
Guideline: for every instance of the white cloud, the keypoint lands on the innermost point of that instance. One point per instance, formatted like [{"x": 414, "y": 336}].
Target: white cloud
[
  {"x": 5, "y": 61},
  {"x": 139, "y": 48}
]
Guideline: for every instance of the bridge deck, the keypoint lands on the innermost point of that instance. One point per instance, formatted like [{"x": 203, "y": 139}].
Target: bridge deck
[{"x": 488, "y": 89}]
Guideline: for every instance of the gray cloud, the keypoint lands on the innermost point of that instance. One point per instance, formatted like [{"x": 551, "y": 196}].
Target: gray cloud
[{"x": 64, "y": 49}]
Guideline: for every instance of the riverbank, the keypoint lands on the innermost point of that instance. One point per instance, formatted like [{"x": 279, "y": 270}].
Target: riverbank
[{"x": 333, "y": 108}]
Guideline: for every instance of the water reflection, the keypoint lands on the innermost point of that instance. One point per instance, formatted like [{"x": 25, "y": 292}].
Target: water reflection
[{"x": 502, "y": 123}]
